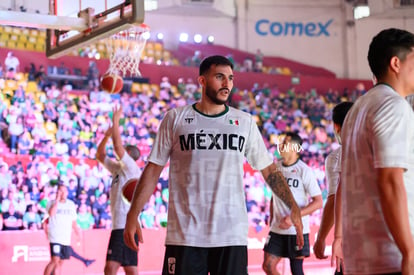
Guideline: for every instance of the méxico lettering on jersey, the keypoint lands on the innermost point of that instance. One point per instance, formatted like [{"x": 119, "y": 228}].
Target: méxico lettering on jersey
[{"x": 209, "y": 141}]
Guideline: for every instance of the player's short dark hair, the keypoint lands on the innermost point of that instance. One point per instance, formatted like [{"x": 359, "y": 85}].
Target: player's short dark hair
[
  {"x": 213, "y": 60},
  {"x": 339, "y": 112},
  {"x": 294, "y": 137},
  {"x": 387, "y": 44},
  {"x": 133, "y": 152}
]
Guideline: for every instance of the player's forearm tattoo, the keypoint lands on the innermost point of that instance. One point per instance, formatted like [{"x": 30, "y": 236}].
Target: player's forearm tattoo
[{"x": 279, "y": 186}]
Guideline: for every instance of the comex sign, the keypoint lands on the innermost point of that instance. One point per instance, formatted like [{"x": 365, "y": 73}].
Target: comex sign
[{"x": 312, "y": 29}]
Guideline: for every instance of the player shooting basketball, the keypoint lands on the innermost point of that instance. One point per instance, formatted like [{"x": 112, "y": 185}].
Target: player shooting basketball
[
  {"x": 206, "y": 144},
  {"x": 123, "y": 170}
]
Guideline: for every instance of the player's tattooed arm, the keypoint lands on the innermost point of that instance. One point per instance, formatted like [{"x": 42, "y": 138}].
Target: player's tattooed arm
[{"x": 279, "y": 186}]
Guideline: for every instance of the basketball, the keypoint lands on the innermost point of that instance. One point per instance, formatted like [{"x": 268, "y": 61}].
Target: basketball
[
  {"x": 112, "y": 83},
  {"x": 128, "y": 189}
]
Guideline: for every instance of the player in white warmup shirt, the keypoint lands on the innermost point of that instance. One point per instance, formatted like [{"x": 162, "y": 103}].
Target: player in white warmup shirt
[
  {"x": 281, "y": 242},
  {"x": 206, "y": 144},
  {"x": 123, "y": 170},
  {"x": 376, "y": 223},
  {"x": 332, "y": 171},
  {"x": 62, "y": 219}
]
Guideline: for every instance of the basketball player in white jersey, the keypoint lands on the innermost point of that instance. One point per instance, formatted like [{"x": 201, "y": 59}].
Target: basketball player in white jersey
[
  {"x": 123, "y": 170},
  {"x": 62, "y": 219},
  {"x": 206, "y": 144},
  {"x": 332, "y": 171},
  {"x": 376, "y": 227},
  {"x": 281, "y": 242}
]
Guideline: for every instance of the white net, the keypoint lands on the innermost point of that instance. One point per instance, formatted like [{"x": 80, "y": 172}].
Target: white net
[{"x": 125, "y": 49}]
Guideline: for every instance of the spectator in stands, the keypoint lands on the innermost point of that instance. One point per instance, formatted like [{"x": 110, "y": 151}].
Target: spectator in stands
[
  {"x": 53, "y": 92},
  {"x": 29, "y": 118},
  {"x": 165, "y": 83},
  {"x": 41, "y": 78},
  {"x": 93, "y": 75},
  {"x": 85, "y": 136},
  {"x": 31, "y": 217},
  {"x": 64, "y": 134},
  {"x": 62, "y": 69},
  {"x": 247, "y": 65},
  {"x": 5, "y": 176},
  {"x": 11, "y": 198},
  {"x": 70, "y": 175},
  {"x": 25, "y": 143},
  {"x": 105, "y": 219},
  {"x": 64, "y": 165},
  {"x": 32, "y": 176},
  {"x": 161, "y": 217},
  {"x": 190, "y": 89},
  {"x": 50, "y": 113},
  {"x": 147, "y": 217},
  {"x": 12, "y": 220},
  {"x": 181, "y": 86},
  {"x": 16, "y": 129},
  {"x": 61, "y": 148},
  {"x": 84, "y": 218},
  {"x": 196, "y": 59},
  {"x": 19, "y": 96},
  {"x": 72, "y": 189},
  {"x": 32, "y": 72},
  {"x": 48, "y": 177},
  {"x": 73, "y": 144},
  {"x": 12, "y": 64},
  {"x": 99, "y": 206},
  {"x": 258, "y": 61}
]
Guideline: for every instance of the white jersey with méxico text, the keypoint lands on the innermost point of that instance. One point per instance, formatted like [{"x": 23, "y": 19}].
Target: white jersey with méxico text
[
  {"x": 122, "y": 171},
  {"x": 333, "y": 170},
  {"x": 60, "y": 224},
  {"x": 378, "y": 132},
  {"x": 206, "y": 194},
  {"x": 303, "y": 184}
]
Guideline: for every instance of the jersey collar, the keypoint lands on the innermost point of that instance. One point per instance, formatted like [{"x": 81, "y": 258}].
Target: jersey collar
[{"x": 217, "y": 115}]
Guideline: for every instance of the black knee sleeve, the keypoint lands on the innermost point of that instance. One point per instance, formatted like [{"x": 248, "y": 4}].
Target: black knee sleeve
[{"x": 296, "y": 266}]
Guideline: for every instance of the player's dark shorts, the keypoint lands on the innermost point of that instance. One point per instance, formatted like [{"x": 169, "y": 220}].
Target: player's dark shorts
[
  {"x": 61, "y": 251},
  {"x": 119, "y": 252},
  {"x": 284, "y": 246},
  {"x": 188, "y": 260}
]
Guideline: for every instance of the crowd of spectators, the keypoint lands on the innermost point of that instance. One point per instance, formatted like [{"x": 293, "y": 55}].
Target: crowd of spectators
[{"x": 52, "y": 135}]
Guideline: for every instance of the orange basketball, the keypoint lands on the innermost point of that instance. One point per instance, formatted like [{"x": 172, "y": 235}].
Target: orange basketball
[
  {"x": 112, "y": 83},
  {"x": 128, "y": 189}
]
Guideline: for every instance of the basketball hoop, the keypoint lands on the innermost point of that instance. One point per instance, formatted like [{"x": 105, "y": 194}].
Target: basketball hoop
[{"x": 125, "y": 50}]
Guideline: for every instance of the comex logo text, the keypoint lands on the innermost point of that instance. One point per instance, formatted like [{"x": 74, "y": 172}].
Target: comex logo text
[{"x": 311, "y": 29}]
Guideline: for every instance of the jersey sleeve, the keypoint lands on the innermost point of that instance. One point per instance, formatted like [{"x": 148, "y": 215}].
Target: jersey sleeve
[
  {"x": 390, "y": 135},
  {"x": 257, "y": 154},
  {"x": 310, "y": 182},
  {"x": 129, "y": 168},
  {"x": 111, "y": 165},
  {"x": 129, "y": 165},
  {"x": 332, "y": 171},
  {"x": 163, "y": 143}
]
